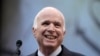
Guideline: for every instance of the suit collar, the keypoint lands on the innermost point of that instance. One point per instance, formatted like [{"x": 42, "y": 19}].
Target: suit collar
[
  {"x": 64, "y": 52},
  {"x": 55, "y": 53}
]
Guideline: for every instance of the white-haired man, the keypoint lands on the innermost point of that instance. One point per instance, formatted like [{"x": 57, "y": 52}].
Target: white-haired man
[{"x": 49, "y": 31}]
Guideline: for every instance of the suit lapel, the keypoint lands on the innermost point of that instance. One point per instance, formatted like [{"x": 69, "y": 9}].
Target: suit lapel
[{"x": 64, "y": 52}]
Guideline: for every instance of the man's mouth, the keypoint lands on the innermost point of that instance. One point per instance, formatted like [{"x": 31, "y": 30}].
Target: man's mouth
[{"x": 50, "y": 37}]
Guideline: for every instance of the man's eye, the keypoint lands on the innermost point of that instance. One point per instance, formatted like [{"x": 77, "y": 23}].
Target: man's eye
[
  {"x": 57, "y": 25},
  {"x": 45, "y": 23}
]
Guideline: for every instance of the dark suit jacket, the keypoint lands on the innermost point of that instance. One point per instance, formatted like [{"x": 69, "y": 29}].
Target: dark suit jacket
[{"x": 64, "y": 52}]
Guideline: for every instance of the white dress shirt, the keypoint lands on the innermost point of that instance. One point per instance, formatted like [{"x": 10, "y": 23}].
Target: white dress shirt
[{"x": 55, "y": 53}]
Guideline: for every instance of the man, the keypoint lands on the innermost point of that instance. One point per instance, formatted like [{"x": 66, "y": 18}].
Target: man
[{"x": 49, "y": 31}]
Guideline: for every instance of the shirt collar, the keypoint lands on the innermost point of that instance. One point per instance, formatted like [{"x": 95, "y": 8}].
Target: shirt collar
[{"x": 55, "y": 53}]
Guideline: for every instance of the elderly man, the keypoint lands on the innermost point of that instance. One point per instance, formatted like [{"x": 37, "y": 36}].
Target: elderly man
[{"x": 49, "y": 31}]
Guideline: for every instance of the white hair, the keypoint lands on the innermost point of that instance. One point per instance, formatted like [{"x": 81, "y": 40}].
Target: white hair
[{"x": 46, "y": 8}]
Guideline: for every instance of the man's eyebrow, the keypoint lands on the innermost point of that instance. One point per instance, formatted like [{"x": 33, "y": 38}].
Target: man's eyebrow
[
  {"x": 58, "y": 23},
  {"x": 45, "y": 21}
]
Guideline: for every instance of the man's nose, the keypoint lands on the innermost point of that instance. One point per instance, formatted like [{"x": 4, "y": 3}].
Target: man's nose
[{"x": 51, "y": 28}]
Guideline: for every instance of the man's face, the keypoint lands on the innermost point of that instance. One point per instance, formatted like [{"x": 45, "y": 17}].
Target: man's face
[{"x": 49, "y": 31}]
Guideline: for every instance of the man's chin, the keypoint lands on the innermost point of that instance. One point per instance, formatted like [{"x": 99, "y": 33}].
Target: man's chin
[{"x": 50, "y": 45}]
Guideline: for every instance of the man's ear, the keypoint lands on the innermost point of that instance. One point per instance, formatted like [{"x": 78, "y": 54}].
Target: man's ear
[
  {"x": 64, "y": 32},
  {"x": 33, "y": 30}
]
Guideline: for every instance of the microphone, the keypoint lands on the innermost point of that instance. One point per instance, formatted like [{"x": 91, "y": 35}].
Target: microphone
[{"x": 18, "y": 44}]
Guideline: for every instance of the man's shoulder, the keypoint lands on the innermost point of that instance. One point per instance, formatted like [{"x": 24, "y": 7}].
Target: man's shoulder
[
  {"x": 66, "y": 52},
  {"x": 76, "y": 54}
]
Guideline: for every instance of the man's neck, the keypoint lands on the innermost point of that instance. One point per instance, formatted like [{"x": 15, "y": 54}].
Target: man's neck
[{"x": 50, "y": 51}]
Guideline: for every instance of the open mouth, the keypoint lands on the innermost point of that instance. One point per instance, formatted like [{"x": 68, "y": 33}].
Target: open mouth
[{"x": 50, "y": 37}]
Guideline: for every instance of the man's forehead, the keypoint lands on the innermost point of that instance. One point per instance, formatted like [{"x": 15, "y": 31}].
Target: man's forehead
[
  {"x": 51, "y": 20},
  {"x": 50, "y": 17},
  {"x": 49, "y": 13}
]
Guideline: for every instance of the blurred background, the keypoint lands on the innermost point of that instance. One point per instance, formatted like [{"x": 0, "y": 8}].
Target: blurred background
[{"x": 82, "y": 25}]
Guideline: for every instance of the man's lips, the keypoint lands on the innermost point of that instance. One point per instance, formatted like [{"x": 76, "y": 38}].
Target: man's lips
[{"x": 50, "y": 36}]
